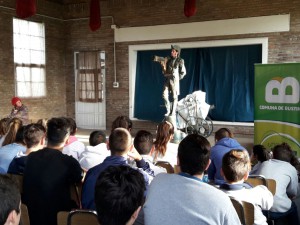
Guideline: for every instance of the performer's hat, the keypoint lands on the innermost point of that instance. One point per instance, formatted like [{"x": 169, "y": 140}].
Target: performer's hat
[
  {"x": 14, "y": 100},
  {"x": 176, "y": 47}
]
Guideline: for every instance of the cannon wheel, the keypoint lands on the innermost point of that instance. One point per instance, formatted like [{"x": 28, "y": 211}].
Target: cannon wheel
[{"x": 197, "y": 125}]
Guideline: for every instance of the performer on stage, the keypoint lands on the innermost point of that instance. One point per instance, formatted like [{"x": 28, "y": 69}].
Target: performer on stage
[
  {"x": 174, "y": 70},
  {"x": 19, "y": 110}
]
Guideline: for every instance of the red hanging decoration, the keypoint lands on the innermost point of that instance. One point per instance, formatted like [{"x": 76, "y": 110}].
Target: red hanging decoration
[
  {"x": 95, "y": 18},
  {"x": 190, "y": 8},
  {"x": 25, "y": 8}
]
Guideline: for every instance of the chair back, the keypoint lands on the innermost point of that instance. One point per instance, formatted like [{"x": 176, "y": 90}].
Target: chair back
[
  {"x": 165, "y": 165},
  {"x": 75, "y": 190},
  {"x": 81, "y": 216},
  {"x": 62, "y": 218},
  {"x": 271, "y": 184},
  {"x": 255, "y": 180},
  {"x": 245, "y": 211},
  {"x": 24, "y": 215}
]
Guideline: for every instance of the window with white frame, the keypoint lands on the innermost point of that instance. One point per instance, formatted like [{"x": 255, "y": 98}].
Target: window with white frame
[{"x": 29, "y": 58}]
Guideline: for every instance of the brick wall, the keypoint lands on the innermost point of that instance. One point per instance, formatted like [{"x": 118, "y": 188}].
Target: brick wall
[{"x": 73, "y": 34}]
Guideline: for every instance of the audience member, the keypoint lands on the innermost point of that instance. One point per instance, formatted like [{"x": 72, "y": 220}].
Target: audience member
[
  {"x": 96, "y": 152},
  {"x": 122, "y": 121},
  {"x": 119, "y": 195},
  {"x": 165, "y": 150},
  {"x": 74, "y": 147},
  {"x": 259, "y": 155},
  {"x": 10, "y": 207},
  {"x": 285, "y": 175},
  {"x": 43, "y": 122},
  {"x": 3, "y": 129},
  {"x": 224, "y": 143},
  {"x": 120, "y": 145},
  {"x": 235, "y": 169},
  {"x": 183, "y": 198},
  {"x": 12, "y": 128},
  {"x": 48, "y": 176},
  {"x": 143, "y": 143},
  {"x": 34, "y": 138},
  {"x": 8, "y": 152},
  {"x": 19, "y": 110}
]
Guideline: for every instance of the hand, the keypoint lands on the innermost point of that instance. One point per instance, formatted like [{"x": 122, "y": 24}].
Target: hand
[{"x": 133, "y": 153}]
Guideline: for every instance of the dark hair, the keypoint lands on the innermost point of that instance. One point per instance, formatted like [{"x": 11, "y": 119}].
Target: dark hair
[
  {"x": 143, "y": 142},
  {"x": 122, "y": 121},
  {"x": 261, "y": 153},
  {"x": 20, "y": 135},
  {"x": 33, "y": 134},
  {"x": 164, "y": 132},
  {"x": 13, "y": 126},
  {"x": 73, "y": 125},
  {"x": 284, "y": 152},
  {"x": 193, "y": 154},
  {"x": 235, "y": 164},
  {"x": 97, "y": 137},
  {"x": 57, "y": 130},
  {"x": 223, "y": 133},
  {"x": 119, "y": 140},
  {"x": 10, "y": 198},
  {"x": 119, "y": 191}
]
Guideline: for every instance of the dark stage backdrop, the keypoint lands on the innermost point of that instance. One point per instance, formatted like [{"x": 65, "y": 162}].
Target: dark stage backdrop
[{"x": 226, "y": 74}]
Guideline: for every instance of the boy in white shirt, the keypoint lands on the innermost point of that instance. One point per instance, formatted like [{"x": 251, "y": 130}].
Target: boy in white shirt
[{"x": 235, "y": 170}]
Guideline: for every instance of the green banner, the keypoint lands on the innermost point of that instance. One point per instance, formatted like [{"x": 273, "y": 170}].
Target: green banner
[{"x": 277, "y": 105}]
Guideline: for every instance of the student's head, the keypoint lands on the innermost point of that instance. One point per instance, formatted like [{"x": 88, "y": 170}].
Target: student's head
[
  {"x": 143, "y": 142},
  {"x": 119, "y": 141},
  {"x": 10, "y": 201},
  {"x": 14, "y": 125},
  {"x": 33, "y": 134},
  {"x": 283, "y": 152},
  {"x": 58, "y": 131},
  {"x": 122, "y": 121},
  {"x": 193, "y": 154},
  {"x": 260, "y": 153},
  {"x": 119, "y": 194},
  {"x": 97, "y": 137},
  {"x": 73, "y": 125},
  {"x": 236, "y": 165},
  {"x": 223, "y": 133},
  {"x": 164, "y": 134}
]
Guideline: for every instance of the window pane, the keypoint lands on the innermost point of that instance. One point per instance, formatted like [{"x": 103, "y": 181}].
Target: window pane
[{"x": 29, "y": 50}]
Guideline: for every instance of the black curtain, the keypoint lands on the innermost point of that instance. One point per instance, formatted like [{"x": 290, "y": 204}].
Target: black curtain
[{"x": 226, "y": 74}]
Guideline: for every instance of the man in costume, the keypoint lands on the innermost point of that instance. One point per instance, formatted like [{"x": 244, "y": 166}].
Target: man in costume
[{"x": 174, "y": 70}]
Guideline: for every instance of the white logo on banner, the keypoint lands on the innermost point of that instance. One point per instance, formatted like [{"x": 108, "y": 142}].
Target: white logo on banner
[{"x": 276, "y": 91}]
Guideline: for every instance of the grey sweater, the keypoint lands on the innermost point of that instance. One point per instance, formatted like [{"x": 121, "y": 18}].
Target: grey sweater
[{"x": 173, "y": 199}]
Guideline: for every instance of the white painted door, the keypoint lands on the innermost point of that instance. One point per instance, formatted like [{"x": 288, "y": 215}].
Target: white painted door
[{"x": 90, "y": 107}]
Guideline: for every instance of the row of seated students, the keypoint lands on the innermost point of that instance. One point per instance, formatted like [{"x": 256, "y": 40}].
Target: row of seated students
[{"x": 161, "y": 194}]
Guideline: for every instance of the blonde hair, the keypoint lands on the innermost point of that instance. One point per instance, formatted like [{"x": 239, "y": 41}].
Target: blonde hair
[{"x": 13, "y": 126}]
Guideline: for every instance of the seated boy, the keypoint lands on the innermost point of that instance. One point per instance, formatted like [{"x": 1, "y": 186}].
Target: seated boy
[
  {"x": 235, "y": 170},
  {"x": 143, "y": 143},
  {"x": 96, "y": 152}
]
